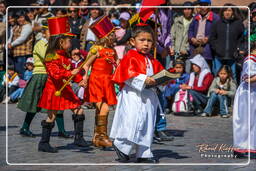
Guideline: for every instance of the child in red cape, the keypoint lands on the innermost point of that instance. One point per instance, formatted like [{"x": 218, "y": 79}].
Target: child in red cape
[{"x": 136, "y": 109}]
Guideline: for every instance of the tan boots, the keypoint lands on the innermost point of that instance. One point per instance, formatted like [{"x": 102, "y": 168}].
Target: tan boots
[{"x": 100, "y": 137}]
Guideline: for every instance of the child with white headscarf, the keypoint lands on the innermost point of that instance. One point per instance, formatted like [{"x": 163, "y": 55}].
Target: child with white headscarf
[{"x": 199, "y": 82}]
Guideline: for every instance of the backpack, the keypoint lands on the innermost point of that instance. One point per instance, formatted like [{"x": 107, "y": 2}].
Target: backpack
[{"x": 181, "y": 102}]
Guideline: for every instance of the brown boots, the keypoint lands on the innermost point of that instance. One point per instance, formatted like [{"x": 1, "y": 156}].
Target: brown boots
[{"x": 100, "y": 137}]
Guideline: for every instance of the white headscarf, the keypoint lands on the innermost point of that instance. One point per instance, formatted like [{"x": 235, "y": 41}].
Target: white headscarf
[{"x": 199, "y": 61}]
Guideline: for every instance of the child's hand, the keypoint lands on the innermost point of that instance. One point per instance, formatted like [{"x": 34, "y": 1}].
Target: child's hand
[
  {"x": 150, "y": 81},
  {"x": 75, "y": 71},
  {"x": 217, "y": 91},
  {"x": 222, "y": 92}
]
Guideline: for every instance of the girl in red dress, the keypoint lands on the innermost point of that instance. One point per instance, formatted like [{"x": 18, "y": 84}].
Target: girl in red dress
[
  {"x": 58, "y": 69},
  {"x": 100, "y": 89}
]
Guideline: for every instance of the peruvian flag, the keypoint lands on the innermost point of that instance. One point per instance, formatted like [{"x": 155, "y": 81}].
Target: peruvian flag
[{"x": 145, "y": 13}]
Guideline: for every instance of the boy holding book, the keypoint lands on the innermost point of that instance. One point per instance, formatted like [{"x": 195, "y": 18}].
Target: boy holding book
[{"x": 137, "y": 106}]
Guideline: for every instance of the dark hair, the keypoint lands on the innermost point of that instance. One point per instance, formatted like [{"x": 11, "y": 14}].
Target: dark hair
[
  {"x": 24, "y": 14},
  {"x": 54, "y": 43},
  {"x": 227, "y": 69},
  {"x": 142, "y": 29},
  {"x": 63, "y": 11},
  {"x": 178, "y": 61},
  {"x": 235, "y": 11}
]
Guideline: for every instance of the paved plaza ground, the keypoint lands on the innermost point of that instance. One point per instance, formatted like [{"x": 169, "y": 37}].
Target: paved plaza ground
[{"x": 189, "y": 132}]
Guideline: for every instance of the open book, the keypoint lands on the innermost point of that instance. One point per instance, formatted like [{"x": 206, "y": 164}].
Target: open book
[{"x": 162, "y": 77}]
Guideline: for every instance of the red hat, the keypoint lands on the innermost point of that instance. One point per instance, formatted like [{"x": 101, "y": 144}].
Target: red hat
[
  {"x": 102, "y": 27},
  {"x": 59, "y": 25}
]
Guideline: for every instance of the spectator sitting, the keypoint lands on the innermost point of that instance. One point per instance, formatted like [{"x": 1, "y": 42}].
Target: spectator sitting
[
  {"x": 200, "y": 80},
  {"x": 173, "y": 87},
  {"x": 11, "y": 80},
  {"x": 77, "y": 57},
  {"x": 23, "y": 82},
  {"x": 222, "y": 88}
]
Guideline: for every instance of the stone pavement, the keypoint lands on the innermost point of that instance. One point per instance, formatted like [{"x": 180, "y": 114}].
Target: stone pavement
[{"x": 189, "y": 132}]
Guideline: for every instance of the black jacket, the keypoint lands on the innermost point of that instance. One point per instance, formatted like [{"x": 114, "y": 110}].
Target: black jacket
[{"x": 225, "y": 38}]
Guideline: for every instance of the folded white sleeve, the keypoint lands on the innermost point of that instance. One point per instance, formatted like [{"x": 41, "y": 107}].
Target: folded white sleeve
[{"x": 137, "y": 82}]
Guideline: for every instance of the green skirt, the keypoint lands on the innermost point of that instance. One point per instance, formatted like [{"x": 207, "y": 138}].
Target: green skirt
[{"x": 32, "y": 93}]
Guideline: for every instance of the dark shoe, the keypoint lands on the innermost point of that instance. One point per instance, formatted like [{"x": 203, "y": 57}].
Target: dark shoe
[
  {"x": 44, "y": 145},
  {"x": 167, "y": 111},
  {"x": 161, "y": 136},
  {"x": 121, "y": 156},
  {"x": 79, "y": 125},
  {"x": 26, "y": 133},
  {"x": 147, "y": 160},
  {"x": 64, "y": 135},
  {"x": 241, "y": 155}
]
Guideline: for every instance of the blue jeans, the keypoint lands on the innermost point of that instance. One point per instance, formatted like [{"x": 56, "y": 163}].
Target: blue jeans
[
  {"x": 160, "y": 121},
  {"x": 223, "y": 102},
  {"x": 217, "y": 64}
]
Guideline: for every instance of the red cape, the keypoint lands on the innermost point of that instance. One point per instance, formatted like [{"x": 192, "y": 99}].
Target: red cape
[{"x": 132, "y": 65}]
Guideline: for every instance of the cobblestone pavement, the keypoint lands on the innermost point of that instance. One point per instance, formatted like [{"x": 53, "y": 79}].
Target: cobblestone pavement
[{"x": 189, "y": 132}]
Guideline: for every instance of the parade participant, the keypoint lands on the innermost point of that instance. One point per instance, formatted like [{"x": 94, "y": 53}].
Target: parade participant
[
  {"x": 100, "y": 88},
  {"x": 136, "y": 110},
  {"x": 58, "y": 69},
  {"x": 243, "y": 142},
  {"x": 33, "y": 91}
]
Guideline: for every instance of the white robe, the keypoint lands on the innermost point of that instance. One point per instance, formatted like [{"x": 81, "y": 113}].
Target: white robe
[
  {"x": 241, "y": 111},
  {"x": 136, "y": 110}
]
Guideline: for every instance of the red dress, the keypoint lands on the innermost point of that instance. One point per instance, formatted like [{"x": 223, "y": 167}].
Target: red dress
[
  {"x": 100, "y": 86},
  {"x": 58, "y": 69}
]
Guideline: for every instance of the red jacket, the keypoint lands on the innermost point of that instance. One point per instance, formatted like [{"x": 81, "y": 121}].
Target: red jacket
[
  {"x": 58, "y": 68},
  {"x": 132, "y": 65},
  {"x": 205, "y": 85}
]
